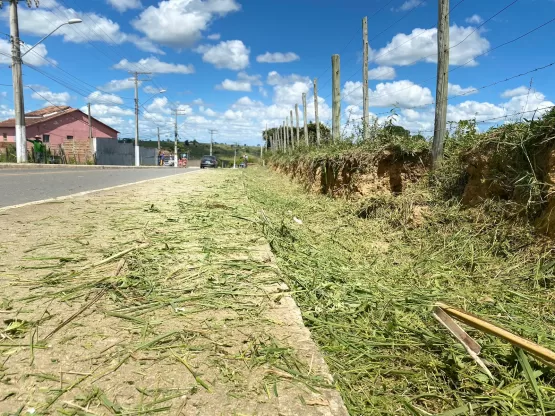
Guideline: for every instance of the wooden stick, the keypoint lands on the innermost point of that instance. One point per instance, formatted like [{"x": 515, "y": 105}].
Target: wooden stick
[{"x": 475, "y": 322}]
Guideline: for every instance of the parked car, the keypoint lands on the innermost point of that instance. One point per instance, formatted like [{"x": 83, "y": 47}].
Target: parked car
[{"x": 208, "y": 162}]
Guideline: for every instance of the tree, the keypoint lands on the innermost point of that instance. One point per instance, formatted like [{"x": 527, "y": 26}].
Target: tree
[
  {"x": 397, "y": 131},
  {"x": 187, "y": 143}
]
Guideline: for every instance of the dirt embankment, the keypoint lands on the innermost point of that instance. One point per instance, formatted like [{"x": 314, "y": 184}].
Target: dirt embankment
[{"x": 358, "y": 174}]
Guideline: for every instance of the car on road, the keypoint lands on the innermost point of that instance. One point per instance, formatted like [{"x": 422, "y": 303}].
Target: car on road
[{"x": 208, "y": 162}]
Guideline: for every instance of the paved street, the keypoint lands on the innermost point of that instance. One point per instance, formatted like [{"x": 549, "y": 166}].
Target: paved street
[{"x": 19, "y": 186}]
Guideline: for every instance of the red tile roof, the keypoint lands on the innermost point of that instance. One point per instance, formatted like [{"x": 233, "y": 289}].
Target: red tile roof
[{"x": 44, "y": 114}]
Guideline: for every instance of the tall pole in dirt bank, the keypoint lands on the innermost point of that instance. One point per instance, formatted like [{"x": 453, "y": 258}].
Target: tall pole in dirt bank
[
  {"x": 336, "y": 98},
  {"x": 440, "y": 123},
  {"x": 305, "y": 122},
  {"x": 291, "y": 129},
  {"x": 316, "y": 119},
  {"x": 365, "y": 129},
  {"x": 297, "y": 116}
]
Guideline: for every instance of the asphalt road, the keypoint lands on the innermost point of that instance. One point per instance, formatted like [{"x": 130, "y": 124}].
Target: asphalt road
[{"x": 19, "y": 186}]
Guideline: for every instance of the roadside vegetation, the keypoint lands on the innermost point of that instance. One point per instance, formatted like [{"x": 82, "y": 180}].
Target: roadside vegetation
[{"x": 366, "y": 270}]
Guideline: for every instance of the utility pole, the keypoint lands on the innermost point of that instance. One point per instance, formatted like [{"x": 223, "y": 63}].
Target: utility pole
[
  {"x": 284, "y": 137},
  {"x": 235, "y": 156},
  {"x": 440, "y": 122},
  {"x": 212, "y": 139},
  {"x": 316, "y": 120},
  {"x": 90, "y": 124},
  {"x": 136, "y": 80},
  {"x": 304, "y": 118},
  {"x": 17, "y": 81},
  {"x": 365, "y": 129},
  {"x": 298, "y": 133},
  {"x": 291, "y": 129},
  {"x": 176, "y": 135},
  {"x": 158, "y": 140},
  {"x": 336, "y": 98}
]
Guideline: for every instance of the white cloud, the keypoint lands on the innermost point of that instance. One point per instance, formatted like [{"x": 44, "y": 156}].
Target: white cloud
[
  {"x": 244, "y": 83},
  {"x": 149, "y": 89},
  {"x": 94, "y": 28},
  {"x": 34, "y": 58},
  {"x": 156, "y": 66},
  {"x": 180, "y": 23},
  {"x": 123, "y": 5},
  {"x": 118, "y": 85},
  {"x": 277, "y": 57},
  {"x": 49, "y": 97},
  {"x": 274, "y": 78},
  {"x": 290, "y": 94},
  {"x": 421, "y": 45},
  {"x": 399, "y": 93},
  {"x": 454, "y": 89},
  {"x": 474, "y": 20},
  {"x": 214, "y": 36},
  {"x": 103, "y": 110},
  {"x": 159, "y": 105},
  {"x": 516, "y": 92},
  {"x": 100, "y": 97},
  {"x": 198, "y": 101},
  {"x": 409, "y": 5},
  {"x": 231, "y": 54},
  {"x": 382, "y": 73}
]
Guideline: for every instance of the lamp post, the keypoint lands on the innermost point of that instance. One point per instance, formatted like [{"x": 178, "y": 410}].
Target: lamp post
[{"x": 17, "y": 80}]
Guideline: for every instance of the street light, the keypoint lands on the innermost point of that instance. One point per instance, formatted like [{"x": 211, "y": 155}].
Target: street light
[
  {"x": 69, "y": 22},
  {"x": 17, "y": 80}
]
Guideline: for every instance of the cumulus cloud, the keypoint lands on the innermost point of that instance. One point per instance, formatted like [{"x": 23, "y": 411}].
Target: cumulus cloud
[
  {"x": 180, "y": 23},
  {"x": 156, "y": 66},
  {"x": 277, "y": 57},
  {"x": 100, "y": 97},
  {"x": 274, "y": 78},
  {"x": 454, "y": 89},
  {"x": 244, "y": 82},
  {"x": 214, "y": 36},
  {"x": 421, "y": 45},
  {"x": 390, "y": 94},
  {"x": 159, "y": 105},
  {"x": 49, "y": 97},
  {"x": 123, "y": 5},
  {"x": 516, "y": 92},
  {"x": 382, "y": 73},
  {"x": 42, "y": 21},
  {"x": 35, "y": 58},
  {"x": 231, "y": 54},
  {"x": 103, "y": 110},
  {"x": 474, "y": 20},
  {"x": 409, "y": 5},
  {"x": 118, "y": 85}
]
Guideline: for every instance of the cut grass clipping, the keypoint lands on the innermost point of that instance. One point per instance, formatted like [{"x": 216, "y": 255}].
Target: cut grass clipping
[{"x": 366, "y": 288}]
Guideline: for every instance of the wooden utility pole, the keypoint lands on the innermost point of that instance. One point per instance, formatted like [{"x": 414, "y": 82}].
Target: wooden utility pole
[
  {"x": 305, "y": 122},
  {"x": 90, "y": 124},
  {"x": 365, "y": 129},
  {"x": 298, "y": 132},
  {"x": 291, "y": 129},
  {"x": 440, "y": 123},
  {"x": 336, "y": 98},
  {"x": 284, "y": 137},
  {"x": 316, "y": 119}
]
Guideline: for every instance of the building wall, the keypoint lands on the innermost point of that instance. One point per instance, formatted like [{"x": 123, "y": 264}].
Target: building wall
[{"x": 74, "y": 124}]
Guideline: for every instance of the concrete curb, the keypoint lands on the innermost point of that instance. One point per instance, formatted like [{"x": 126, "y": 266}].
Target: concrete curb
[{"x": 93, "y": 167}]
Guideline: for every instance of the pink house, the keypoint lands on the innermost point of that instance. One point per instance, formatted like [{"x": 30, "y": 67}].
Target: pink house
[{"x": 57, "y": 125}]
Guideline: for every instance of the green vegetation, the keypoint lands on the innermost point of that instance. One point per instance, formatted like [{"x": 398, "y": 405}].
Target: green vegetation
[{"x": 366, "y": 276}]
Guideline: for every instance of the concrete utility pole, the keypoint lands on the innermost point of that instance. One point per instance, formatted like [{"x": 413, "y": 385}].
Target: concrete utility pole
[
  {"x": 440, "y": 122},
  {"x": 365, "y": 129},
  {"x": 336, "y": 98},
  {"x": 90, "y": 124},
  {"x": 136, "y": 80},
  {"x": 17, "y": 81},
  {"x": 158, "y": 140},
  {"x": 297, "y": 116},
  {"x": 176, "y": 135},
  {"x": 305, "y": 122},
  {"x": 212, "y": 139},
  {"x": 316, "y": 119}
]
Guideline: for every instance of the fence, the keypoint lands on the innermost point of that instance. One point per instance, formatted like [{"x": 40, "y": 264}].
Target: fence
[{"x": 112, "y": 152}]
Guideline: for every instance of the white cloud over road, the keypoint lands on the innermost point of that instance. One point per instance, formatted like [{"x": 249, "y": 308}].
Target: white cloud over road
[{"x": 231, "y": 54}]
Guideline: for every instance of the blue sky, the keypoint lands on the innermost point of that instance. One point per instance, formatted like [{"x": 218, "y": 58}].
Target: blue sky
[{"x": 237, "y": 65}]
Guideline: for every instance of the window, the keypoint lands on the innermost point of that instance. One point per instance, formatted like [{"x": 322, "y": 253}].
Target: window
[
  {"x": 46, "y": 138},
  {"x": 69, "y": 137}
]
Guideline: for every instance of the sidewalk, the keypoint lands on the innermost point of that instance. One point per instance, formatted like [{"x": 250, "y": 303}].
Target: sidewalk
[{"x": 159, "y": 298}]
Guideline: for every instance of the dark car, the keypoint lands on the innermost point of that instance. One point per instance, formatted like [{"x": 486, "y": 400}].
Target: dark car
[{"x": 208, "y": 162}]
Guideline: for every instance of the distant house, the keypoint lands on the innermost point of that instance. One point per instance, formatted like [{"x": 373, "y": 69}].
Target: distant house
[{"x": 57, "y": 125}]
